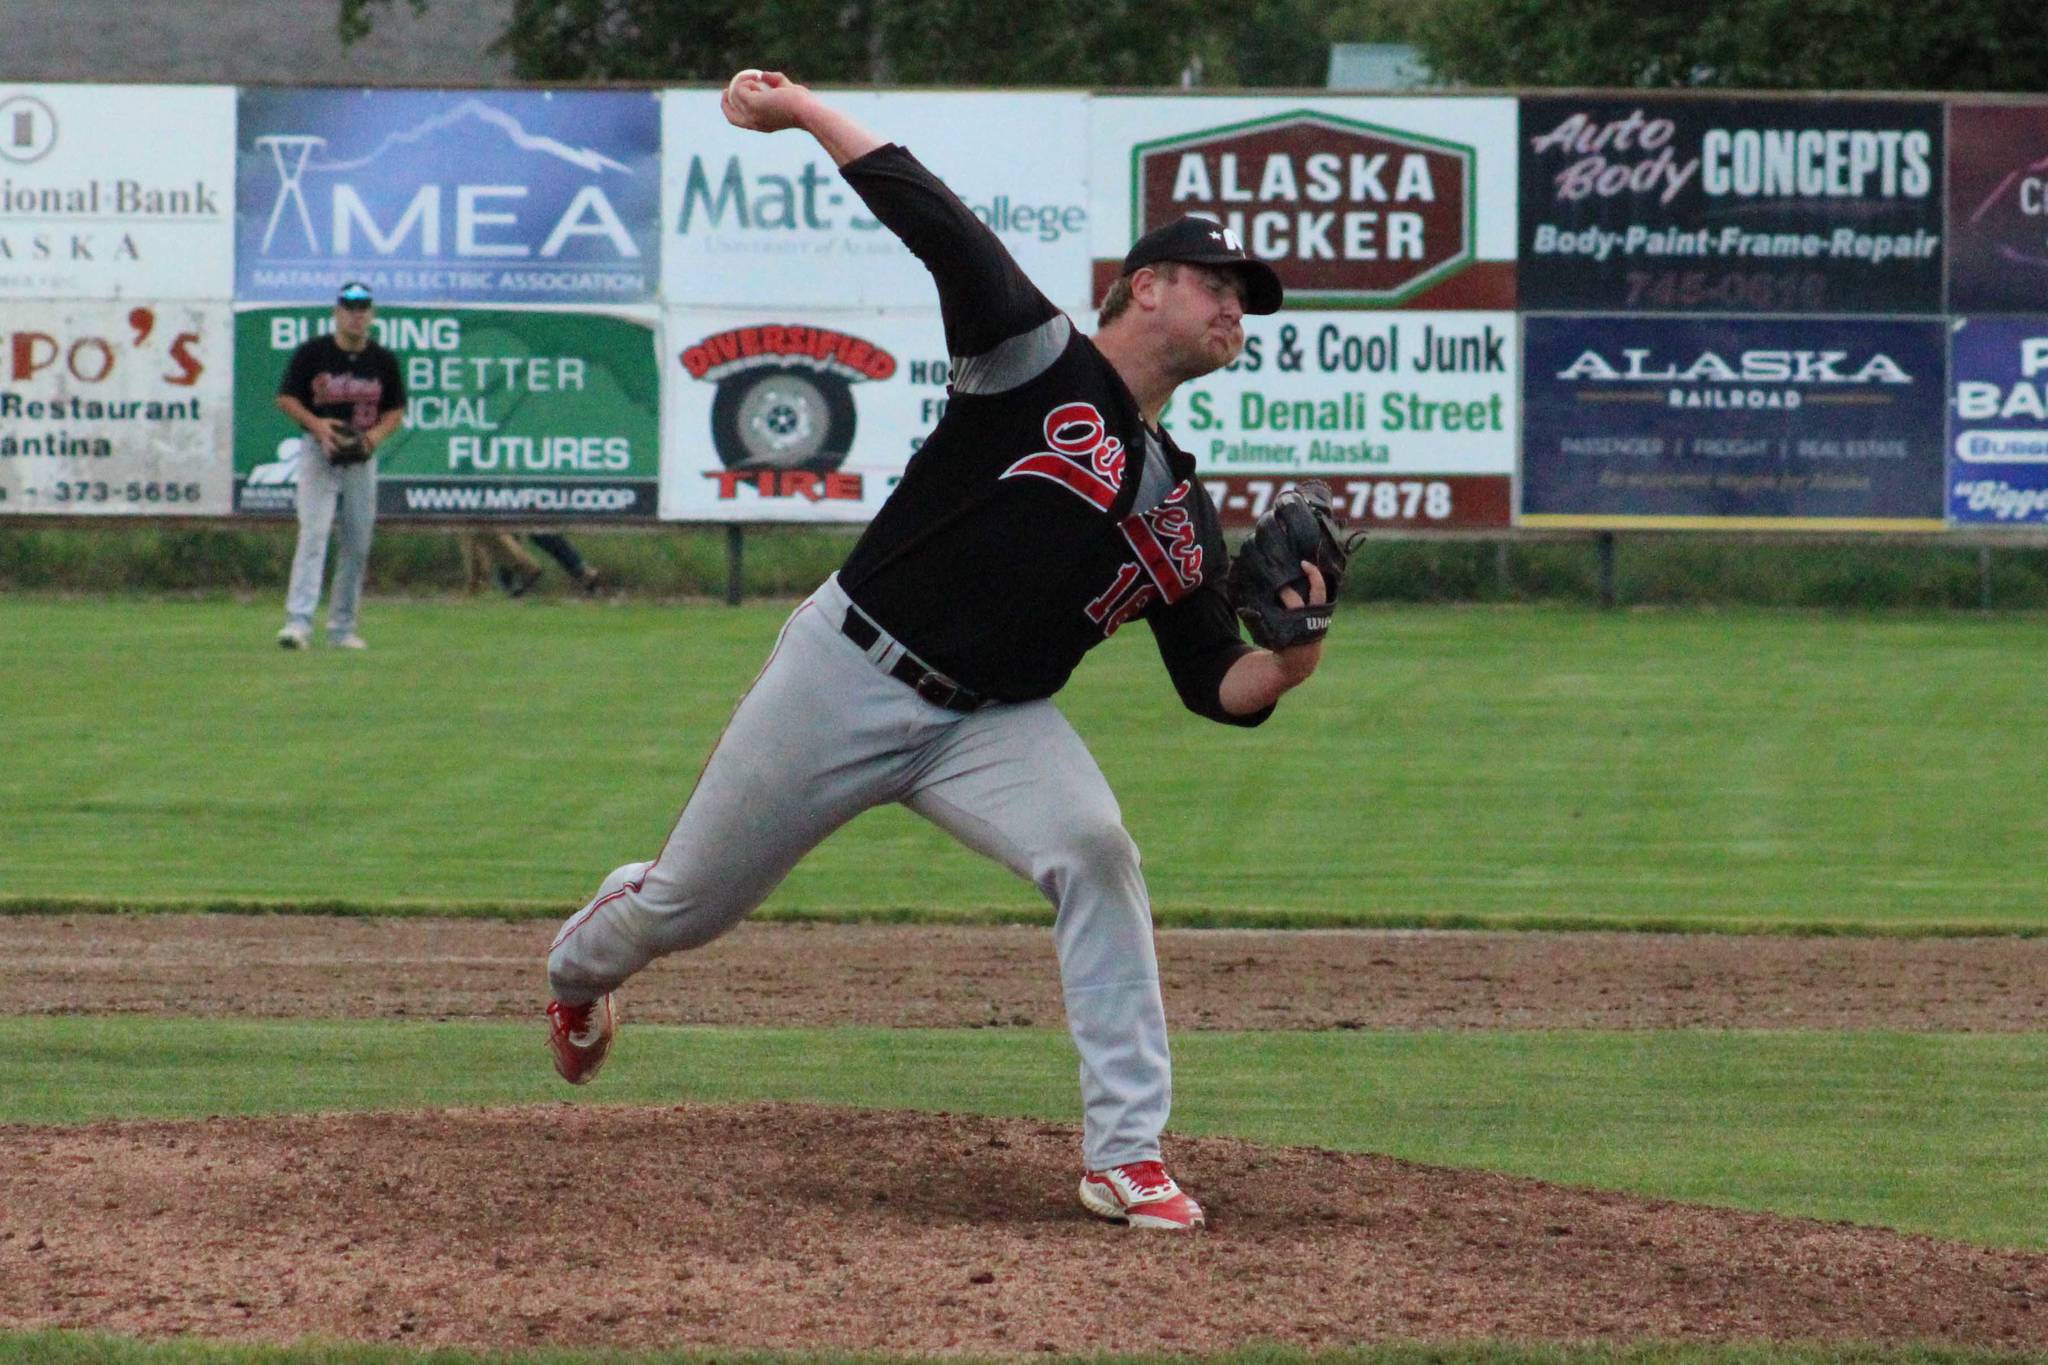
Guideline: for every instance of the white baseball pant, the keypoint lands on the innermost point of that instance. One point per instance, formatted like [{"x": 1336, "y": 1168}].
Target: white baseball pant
[{"x": 824, "y": 734}]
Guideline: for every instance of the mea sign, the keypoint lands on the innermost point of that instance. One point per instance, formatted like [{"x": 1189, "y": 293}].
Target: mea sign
[
  {"x": 589, "y": 214},
  {"x": 1344, "y": 211}
]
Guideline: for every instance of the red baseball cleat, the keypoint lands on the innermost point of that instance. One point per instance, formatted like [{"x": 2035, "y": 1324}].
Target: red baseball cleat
[
  {"x": 580, "y": 1036},
  {"x": 1141, "y": 1194}
]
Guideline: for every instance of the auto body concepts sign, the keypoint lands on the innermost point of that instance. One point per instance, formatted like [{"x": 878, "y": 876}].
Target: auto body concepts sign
[
  {"x": 1410, "y": 417},
  {"x": 110, "y": 191},
  {"x": 753, "y": 220},
  {"x": 1998, "y": 457},
  {"x": 1742, "y": 424},
  {"x": 526, "y": 415},
  {"x": 112, "y": 408},
  {"x": 1356, "y": 203},
  {"x": 1733, "y": 206},
  {"x": 501, "y": 196}
]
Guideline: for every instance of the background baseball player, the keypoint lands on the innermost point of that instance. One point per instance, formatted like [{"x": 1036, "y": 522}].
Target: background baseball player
[
  {"x": 346, "y": 391},
  {"x": 1046, "y": 510}
]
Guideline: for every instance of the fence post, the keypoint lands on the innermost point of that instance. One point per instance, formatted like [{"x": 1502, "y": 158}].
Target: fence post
[
  {"x": 1607, "y": 569},
  {"x": 1503, "y": 573},
  {"x": 735, "y": 555}
]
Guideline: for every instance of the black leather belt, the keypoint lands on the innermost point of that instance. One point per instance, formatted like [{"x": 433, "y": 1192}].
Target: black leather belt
[{"x": 934, "y": 686}]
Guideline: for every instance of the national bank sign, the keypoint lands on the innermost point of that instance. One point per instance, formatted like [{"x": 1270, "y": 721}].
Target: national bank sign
[{"x": 449, "y": 195}]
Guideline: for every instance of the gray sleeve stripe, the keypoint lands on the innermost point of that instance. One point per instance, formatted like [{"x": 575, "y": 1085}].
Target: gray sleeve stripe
[{"x": 1015, "y": 362}]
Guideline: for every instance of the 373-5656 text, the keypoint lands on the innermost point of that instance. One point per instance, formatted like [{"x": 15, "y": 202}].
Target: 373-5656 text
[{"x": 84, "y": 492}]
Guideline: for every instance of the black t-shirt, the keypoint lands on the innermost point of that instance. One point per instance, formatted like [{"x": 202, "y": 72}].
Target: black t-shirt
[
  {"x": 1042, "y": 513},
  {"x": 355, "y": 387}
]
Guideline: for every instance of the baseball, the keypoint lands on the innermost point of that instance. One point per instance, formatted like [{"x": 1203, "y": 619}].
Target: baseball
[{"x": 752, "y": 71}]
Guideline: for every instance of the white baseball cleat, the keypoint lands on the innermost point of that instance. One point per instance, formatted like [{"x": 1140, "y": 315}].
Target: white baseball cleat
[
  {"x": 294, "y": 637},
  {"x": 349, "y": 641},
  {"x": 580, "y": 1036},
  {"x": 1141, "y": 1194}
]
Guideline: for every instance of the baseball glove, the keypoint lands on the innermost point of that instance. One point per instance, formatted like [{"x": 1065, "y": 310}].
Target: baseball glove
[
  {"x": 349, "y": 448},
  {"x": 1300, "y": 526}
]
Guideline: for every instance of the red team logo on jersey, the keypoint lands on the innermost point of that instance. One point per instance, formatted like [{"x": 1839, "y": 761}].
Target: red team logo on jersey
[
  {"x": 1085, "y": 459},
  {"x": 366, "y": 395},
  {"x": 1169, "y": 563}
]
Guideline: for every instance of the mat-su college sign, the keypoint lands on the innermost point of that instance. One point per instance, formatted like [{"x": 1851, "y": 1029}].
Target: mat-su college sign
[{"x": 1346, "y": 212}]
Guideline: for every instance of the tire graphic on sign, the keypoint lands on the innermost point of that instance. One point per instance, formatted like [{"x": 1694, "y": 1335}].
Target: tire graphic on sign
[
  {"x": 783, "y": 418},
  {"x": 785, "y": 393}
]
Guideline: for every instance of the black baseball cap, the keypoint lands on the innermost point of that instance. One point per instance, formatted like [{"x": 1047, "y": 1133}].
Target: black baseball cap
[
  {"x": 1204, "y": 241},
  {"x": 354, "y": 295}
]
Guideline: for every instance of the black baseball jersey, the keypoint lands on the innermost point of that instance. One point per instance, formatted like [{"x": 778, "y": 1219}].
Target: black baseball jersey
[
  {"x": 1042, "y": 513},
  {"x": 353, "y": 387}
]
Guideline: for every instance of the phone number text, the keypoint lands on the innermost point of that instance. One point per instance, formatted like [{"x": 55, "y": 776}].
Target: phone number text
[
  {"x": 83, "y": 492},
  {"x": 1443, "y": 503}
]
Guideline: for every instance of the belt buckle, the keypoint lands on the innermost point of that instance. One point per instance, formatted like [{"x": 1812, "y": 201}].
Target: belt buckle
[{"x": 937, "y": 689}]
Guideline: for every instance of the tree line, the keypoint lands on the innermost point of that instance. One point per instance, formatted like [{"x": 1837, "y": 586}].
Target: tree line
[{"x": 1905, "y": 45}]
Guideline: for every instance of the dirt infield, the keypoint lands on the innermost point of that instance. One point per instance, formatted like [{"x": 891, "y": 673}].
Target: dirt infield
[
  {"x": 800, "y": 1227},
  {"x": 888, "y": 976},
  {"x": 811, "y": 1227}
]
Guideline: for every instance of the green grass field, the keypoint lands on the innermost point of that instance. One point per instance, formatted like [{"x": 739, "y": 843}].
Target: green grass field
[
  {"x": 1479, "y": 766},
  {"x": 1450, "y": 766},
  {"x": 1945, "y": 1135}
]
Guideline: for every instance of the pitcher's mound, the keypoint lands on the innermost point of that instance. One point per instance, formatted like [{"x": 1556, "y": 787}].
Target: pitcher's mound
[{"x": 810, "y": 1227}]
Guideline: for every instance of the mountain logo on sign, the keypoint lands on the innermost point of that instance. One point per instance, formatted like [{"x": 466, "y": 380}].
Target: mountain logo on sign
[{"x": 299, "y": 155}]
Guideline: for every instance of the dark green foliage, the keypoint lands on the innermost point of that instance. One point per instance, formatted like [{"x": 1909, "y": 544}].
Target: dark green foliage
[
  {"x": 1766, "y": 44},
  {"x": 1763, "y": 44}
]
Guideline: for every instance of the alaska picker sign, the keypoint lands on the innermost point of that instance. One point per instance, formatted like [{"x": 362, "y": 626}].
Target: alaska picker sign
[
  {"x": 515, "y": 414},
  {"x": 1733, "y": 424},
  {"x": 1685, "y": 205},
  {"x": 1357, "y": 203}
]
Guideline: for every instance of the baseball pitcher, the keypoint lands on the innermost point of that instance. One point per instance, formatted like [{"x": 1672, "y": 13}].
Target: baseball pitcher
[{"x": 1045, "y": 510}]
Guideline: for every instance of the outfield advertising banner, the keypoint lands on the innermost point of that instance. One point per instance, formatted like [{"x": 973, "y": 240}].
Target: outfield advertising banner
[
  {"x": 768, "y": 220},
  {"x": 1726, "y": 205},
  {"x": 498, "y": 196},
  {"x": 518, "y": 414},
  {"x": 1356, "y": 202},
  {"x": 795, "y": 416},
  {"x": 117, "y": 191},
  {"x": 1998, "y": 208},
  {"x": 1733, "y": 424},
  {"x": 1410, "y": 417},
  {"x": 1998, "y": 452},
  {"x": 114, "y": 409}
]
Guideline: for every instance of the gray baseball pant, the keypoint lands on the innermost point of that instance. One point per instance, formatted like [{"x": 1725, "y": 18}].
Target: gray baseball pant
[
  {"x": 352, "y": 489},
  {"x": 824, "y": 734}
]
